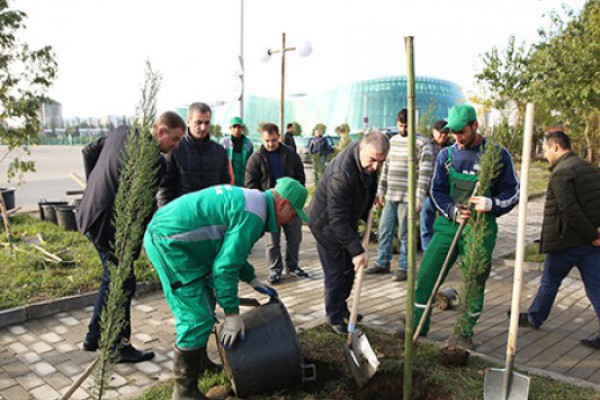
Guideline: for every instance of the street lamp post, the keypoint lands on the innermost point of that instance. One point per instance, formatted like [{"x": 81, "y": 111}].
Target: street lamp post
[{"x": 304, "y": 50}]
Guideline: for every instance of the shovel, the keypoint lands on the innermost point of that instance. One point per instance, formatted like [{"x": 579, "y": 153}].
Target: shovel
[
  {"x": 361, "y": 358},
  {"x": 505, "y": 384}
]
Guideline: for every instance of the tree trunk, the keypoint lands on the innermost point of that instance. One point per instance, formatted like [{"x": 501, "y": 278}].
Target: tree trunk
[{"x": 590, "y": 124}]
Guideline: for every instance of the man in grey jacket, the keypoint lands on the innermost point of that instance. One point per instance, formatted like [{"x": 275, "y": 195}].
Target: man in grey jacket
[{"x": 570, "y": 230}]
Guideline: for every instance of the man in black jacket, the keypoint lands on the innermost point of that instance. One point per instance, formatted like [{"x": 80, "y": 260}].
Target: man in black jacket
[
  {"x": 273, "y": 161},
  {"x": 102, "y": 162},
  {"x": 570, "y": 230},
  {"x": 288, "y": 137},
  {"x": 344, "y": 195},
  {"x": 198, "y": 163}
]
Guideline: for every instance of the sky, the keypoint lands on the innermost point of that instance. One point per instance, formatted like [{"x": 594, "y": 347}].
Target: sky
[{"x": 101, "y": 46}]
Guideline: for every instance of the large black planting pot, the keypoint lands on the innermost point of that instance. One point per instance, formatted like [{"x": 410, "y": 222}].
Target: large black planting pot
[
  {"x": 47, "y": 211},
  {"x": 65, "y": 217},
  {"x": 269, "y": 358},
  {"x": 8, "y": 197}
]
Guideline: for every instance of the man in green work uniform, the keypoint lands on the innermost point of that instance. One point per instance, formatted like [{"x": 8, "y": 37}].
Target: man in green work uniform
[
  {"x": 239, "y": 149},
  {"x": 454, "y": 178},
  {"x": 199, "y": 245}
]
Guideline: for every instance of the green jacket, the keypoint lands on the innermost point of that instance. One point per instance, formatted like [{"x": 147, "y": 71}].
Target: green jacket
[
  {"x": 572, "y": 209},
  {"x": 247, "y": 150},
  {"x": 212, "y": 231}
]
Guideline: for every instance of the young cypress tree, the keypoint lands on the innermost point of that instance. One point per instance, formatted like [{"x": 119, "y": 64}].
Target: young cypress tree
[{"x": 134, "y": 204}]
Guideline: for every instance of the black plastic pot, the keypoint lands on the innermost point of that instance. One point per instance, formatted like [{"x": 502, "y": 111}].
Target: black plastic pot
[
  {"x": 44, "y": 205},
  {"x": 269, "y": 358},
  {"x": 65, "y": 216},
  {"x": 8, "y": 196}
]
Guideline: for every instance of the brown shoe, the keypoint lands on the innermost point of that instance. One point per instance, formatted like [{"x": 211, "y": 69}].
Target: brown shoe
[{"x": 400, "y": 275}]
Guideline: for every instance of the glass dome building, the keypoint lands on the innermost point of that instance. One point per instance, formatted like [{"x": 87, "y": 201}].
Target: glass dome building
[{"x": 378, "y": 99}]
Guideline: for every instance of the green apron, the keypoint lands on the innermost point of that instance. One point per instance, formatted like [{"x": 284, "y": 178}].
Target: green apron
[{"x": 461, "y": 188}]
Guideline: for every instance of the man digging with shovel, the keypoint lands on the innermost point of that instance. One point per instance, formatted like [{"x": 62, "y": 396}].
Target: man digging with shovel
[
  {"x": 454, "y": 179},
  {"x": 199, "y": 245}
]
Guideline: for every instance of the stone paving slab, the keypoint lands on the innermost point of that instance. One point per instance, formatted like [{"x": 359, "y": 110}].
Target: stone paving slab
[{"x": 40, "y": 359}]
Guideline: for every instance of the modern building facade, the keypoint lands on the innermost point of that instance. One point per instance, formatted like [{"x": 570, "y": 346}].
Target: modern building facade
[{"x": 377, "y": 99}]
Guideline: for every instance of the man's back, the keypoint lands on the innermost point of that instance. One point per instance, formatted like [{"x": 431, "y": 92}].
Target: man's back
[
  {"x": 572, "y": 209},
  {"x": 95, "y": 211}
]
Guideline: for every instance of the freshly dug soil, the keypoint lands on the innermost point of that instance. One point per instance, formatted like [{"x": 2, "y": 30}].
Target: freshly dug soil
[{"x": 454, "y": 356}]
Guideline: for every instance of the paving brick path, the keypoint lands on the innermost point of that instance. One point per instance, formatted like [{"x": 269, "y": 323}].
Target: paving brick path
[{"x": 40, "y": 359}]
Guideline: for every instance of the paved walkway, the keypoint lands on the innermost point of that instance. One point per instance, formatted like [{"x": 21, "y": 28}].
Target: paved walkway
[{"x": 40, "y": 359}]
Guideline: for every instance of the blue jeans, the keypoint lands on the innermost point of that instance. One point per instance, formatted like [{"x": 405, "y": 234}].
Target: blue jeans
[
  {"x": 428, "y": 214},
  {"x": 129, "y": 286},
  {"x": 556, "y": 268},
  {"x": 394, "y": 213}
]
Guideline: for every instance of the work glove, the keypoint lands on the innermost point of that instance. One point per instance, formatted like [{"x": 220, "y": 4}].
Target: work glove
[
  {"x": 482, "y": 204},
  {"x": 360, "y": 259},
  {"x": 263, "y": 288},
  {"x": 232, "y": 327}
]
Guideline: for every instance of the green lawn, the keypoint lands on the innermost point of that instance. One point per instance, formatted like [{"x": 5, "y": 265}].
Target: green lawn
[
  {"x": 26, "y": 277},
  {"x": 538, "y": 176},
  {"x": 532, "y": 254},
  {"x": 430, "y": 379}
]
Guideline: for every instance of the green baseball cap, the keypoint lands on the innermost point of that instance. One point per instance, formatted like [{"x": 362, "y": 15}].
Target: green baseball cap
[
  {"x": 236, "y": 121},
  {"x": 293, "y": 191},
  {"x": 459, "y": 116}
]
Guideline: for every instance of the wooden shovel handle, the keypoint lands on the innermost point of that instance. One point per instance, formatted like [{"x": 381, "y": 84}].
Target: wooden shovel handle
[{"x": 360, "y": 275}]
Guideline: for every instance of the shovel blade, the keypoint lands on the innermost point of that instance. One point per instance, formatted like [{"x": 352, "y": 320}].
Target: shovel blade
[
  {"x": 362, "y": 361},
  {"x": 494, "y": 381}
]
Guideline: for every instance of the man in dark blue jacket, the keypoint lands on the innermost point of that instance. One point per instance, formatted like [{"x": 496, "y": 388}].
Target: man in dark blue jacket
[
  {"x": 198, "y": 163},
  {"x": 454, "y": 179}
]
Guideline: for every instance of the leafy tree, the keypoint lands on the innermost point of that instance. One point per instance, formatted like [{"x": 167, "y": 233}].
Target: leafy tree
[
  {"x": 25, "y": 75},
  {"x": 427, "y": 119},
  {"x": 561, "y": 73},
  {"x": 297, "y": 129},
  {"x": 321, "y": 127},
  {"x": 565, "y": 71},
  {"x": 215, "y": 131}
]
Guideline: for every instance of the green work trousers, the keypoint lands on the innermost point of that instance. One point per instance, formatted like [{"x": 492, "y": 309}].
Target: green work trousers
[
  {"x": 192, "y": 305},
  {"x": 433, "y": 259}
]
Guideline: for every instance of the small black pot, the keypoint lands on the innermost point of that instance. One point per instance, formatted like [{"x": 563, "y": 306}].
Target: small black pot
[{"x": 8, "y": 196}]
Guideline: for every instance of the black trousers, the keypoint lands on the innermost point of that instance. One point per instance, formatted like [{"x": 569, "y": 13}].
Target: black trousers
[
  {"x": 129, "y": 286},
  {"x": 339, "y": 278}
]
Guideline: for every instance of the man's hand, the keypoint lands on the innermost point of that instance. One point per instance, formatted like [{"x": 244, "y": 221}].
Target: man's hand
[
  {"x": 379, "y": 202},
  {"x": 232, "y": 327},
  {"x": 419, "y": 206},
  {"x": 481, "y": 203},
  {"x": 263, "y": 288},
  {"x": 360, "y": 260},
  {"x": 596, "y": 242},
  {"x": 462, "y": 213}
]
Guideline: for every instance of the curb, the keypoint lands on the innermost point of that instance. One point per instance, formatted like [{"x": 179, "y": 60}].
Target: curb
[
  {"x": 527, "y": 265},
  {"x": 18, "y": 315}
]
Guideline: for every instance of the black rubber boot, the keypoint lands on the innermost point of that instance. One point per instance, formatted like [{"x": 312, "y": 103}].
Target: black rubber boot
[
  {"x": 187, "y": 367},
  {"x": 207, "y": 363}
]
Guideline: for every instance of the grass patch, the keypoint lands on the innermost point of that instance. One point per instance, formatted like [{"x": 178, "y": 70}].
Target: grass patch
[
  {"x": 26, "y": 277},
  {"x": 431, "y": 381},
  {"x": 538, "y": 176},
  {"x": 532, "y": 254}
]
